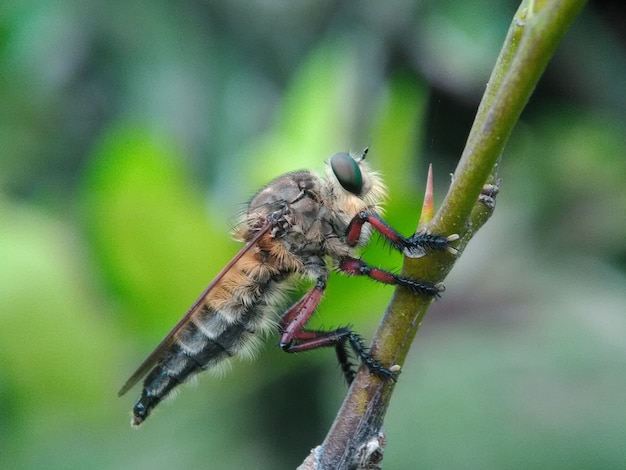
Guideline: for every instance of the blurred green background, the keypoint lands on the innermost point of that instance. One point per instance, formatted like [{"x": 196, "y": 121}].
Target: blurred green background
[{"x": 132, "y": 132}]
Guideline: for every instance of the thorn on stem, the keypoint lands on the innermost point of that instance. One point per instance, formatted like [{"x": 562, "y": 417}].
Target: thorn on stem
[{"x": 428, "y": 207}]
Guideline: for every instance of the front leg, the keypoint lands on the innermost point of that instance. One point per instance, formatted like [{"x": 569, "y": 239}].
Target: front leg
[{"x": 413, "y": 247}]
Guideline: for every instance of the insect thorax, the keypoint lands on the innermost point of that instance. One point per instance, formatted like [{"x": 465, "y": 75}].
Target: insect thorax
[{"x": 310, "y": 215}]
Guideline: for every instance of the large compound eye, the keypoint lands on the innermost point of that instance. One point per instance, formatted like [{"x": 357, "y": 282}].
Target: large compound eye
[{"x": 347, "y": 172}]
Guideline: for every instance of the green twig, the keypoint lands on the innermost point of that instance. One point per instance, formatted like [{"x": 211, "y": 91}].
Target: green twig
[{"x": 355, "y": 439}]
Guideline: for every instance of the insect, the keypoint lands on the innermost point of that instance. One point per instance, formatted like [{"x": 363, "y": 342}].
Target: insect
[{"x": 298, "y": 225}]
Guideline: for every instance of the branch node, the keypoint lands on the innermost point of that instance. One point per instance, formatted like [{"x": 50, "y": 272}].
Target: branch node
[{"x": 370, "y": 454}]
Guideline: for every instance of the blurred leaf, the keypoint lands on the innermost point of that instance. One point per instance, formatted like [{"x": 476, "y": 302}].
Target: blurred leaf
[
  {"x": 458, "y": 42},
  {"x": 317, "y": 114},
  {"x": 148, "y": 230},
  {"x": 57, "y": 350},
  {"x": 569, "y": 175},
  {"x": 397, "y": 132}
]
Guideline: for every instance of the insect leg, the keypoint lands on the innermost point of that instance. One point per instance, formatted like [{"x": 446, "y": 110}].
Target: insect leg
[
  {"x": 296, "y": 339},
  {"x": 413, "y": 247},
  {"x": 344, "y": 362},
  {"x": 357, "y": 267}
]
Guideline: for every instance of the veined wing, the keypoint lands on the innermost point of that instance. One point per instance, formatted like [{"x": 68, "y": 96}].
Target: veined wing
[{"x": 155, "y": 355}]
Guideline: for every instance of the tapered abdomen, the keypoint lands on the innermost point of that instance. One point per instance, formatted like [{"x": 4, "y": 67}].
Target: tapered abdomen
[{"x": 229, "y": 323}]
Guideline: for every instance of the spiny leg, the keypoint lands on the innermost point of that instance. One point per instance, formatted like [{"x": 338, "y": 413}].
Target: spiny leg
[
  {"x": 357, "y": 267},
  {"x": 414, "y": 246},
  {"x": 344, "y": 362},
  {"x": 296, "y": 339}
]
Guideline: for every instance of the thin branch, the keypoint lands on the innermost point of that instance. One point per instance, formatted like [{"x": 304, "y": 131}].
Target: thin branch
[{"x": 355, "y": 439}]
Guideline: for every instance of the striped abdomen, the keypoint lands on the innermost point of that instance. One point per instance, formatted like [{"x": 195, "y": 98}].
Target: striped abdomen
[{"x": 229, "y": 323}]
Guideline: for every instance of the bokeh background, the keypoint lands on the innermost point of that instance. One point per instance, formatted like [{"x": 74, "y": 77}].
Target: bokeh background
[{"x": 132, "y": 132}]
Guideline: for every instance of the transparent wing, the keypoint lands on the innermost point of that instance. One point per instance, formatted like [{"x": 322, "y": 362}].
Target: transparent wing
[{"x": 155, "y": 355}]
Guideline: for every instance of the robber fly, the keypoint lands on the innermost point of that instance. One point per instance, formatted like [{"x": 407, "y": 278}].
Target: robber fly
[{"x": 297, "y": 225}]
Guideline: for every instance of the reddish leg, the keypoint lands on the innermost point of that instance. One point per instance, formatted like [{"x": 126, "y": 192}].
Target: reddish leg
[
  {"x": 413, "y": 247},
  {"x": 296, "y": 339},
  {"x": 294, "y": 319},
  {"x": 357, "y": 267}
]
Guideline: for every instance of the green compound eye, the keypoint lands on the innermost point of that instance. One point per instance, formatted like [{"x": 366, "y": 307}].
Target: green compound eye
[{"x": 347, "y": 171}]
